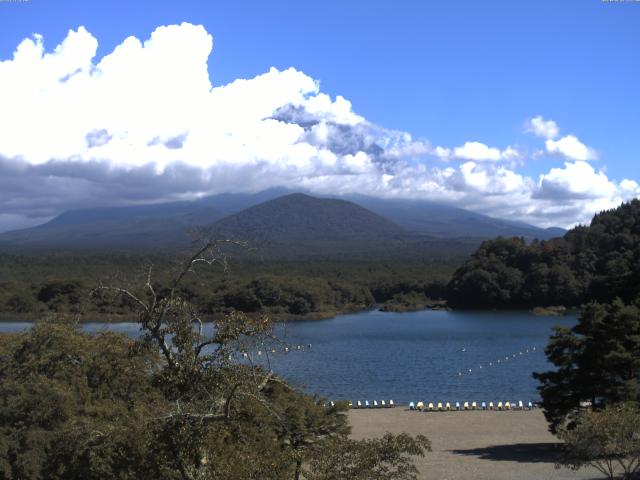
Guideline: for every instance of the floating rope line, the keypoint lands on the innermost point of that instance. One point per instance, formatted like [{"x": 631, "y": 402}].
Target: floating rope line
[{"x": 500, "y": 361}]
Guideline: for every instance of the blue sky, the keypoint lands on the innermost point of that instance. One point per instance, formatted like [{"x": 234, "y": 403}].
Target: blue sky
[{"x": 447, "y": 73}]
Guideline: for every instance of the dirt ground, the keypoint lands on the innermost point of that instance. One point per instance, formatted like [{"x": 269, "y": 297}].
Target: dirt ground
[{"x": 474, "y": 445}]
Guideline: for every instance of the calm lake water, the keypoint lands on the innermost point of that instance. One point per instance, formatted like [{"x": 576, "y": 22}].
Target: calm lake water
[{"x": 409, "y": 356}]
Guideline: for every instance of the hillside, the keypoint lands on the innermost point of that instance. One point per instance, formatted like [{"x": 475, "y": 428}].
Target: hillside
[
  {"x": 165, "y": 227},
  {"x": 596, "y": 262},
  {"x": 300, "y": 225},
  {"x": 445, "y": 221}
]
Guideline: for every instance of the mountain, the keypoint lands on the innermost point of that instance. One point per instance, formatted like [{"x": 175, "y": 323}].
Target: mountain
[
  {"x": 165, "y": 227},
  {"x": 445, "y": 221},
  {"x": 301, "y": 225}
]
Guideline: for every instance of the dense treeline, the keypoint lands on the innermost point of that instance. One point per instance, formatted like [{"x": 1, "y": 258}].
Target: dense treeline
[
  {"x": 31, "y": 286},
  {"x": 599, "y": 262}
]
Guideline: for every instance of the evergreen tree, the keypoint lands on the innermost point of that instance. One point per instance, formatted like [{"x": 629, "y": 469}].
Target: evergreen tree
[{"x": 598, "y": 361}]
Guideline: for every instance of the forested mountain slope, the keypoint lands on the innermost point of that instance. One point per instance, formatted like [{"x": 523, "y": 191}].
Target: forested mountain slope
[{"x": 596, "y": 262}]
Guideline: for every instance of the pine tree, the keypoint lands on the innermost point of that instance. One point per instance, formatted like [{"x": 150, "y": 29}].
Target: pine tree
[{"x": 598, "y": 361}]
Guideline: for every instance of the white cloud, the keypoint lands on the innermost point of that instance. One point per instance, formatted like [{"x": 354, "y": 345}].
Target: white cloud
[
  {"x": 145, "y": 124},
  {"x": 543, "y": 128},
  {"x": 570, "y": 147},
  {"x": 576, "y": 180},
  {"x": 442, "y": 153},
  {"x": 476, "y": 151},
  {"x": 480, "y": 152}
]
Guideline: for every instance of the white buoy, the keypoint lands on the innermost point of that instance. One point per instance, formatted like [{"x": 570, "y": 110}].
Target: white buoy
[{"x": 259, "y": 352}]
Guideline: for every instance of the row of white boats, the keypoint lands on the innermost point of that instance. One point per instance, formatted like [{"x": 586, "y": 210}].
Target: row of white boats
[
  {"x": 374, "y": 404},
  {"x": 443, "y": 407}
]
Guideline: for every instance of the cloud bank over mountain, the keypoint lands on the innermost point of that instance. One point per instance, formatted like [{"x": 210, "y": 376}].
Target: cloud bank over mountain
[{"x": 145, "y": 124}]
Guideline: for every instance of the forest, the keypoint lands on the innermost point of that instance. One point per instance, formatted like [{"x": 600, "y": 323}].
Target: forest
[
  {"x": 35, "y": 285},
  {"x": 598, "y": 262}
]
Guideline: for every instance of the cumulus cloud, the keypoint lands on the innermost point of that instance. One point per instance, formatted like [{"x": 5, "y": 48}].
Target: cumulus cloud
[
  {"x": 570, "y": 147},
  {"x": 477, "y": 152},
  {"x": 144, "y": 124},
  {"x": 543, "y": 128}
]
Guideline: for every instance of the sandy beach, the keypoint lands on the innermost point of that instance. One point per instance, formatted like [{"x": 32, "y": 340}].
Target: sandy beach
[{"x": 474, "y": 445}]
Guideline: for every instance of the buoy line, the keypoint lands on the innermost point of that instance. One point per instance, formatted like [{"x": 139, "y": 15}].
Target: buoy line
[{"x": 499, "y": 361}]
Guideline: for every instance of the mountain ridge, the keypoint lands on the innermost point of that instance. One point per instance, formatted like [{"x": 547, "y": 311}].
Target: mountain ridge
[{"x": 165, "y": 227}]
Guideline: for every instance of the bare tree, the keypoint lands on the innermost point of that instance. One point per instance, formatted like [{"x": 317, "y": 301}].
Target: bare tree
[{"x": 209, "y": 365}]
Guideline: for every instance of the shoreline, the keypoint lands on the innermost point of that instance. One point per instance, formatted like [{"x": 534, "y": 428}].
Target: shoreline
[
  {"x": 436, "y": 306},
  {"x": 473, "y": 445},
  {"x": 122, "y": 318}
]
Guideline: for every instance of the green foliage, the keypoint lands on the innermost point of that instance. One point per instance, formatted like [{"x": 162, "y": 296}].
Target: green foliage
[
  {"x": 599, "y": 262},
  {"x": 74, "y": 406},
  {"x": 34, "y": 285},
  {"x": 179, "y": 403},
  {"x": 597, "y": 361},
  {"x": 608, "y": 440},
  {"x": 386, "y": 458}
]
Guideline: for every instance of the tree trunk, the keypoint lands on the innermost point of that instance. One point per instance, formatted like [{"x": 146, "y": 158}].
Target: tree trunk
[{"x": 298, "y": 470}]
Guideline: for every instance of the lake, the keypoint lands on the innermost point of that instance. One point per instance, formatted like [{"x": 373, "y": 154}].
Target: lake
[{"x": 429, "y": 355}]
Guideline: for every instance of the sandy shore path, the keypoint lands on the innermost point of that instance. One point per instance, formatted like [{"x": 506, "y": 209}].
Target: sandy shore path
[{"x": 474, "y": 445}]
